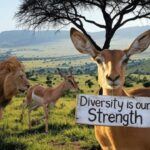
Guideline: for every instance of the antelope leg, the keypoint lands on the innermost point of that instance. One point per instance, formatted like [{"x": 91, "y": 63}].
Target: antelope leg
[
  {"x": 29, "y": 114},
  {"x": 46, "y": 118}
]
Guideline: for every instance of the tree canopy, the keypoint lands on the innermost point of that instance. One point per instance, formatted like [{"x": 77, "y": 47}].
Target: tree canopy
[{"x": 39, "y": 13}]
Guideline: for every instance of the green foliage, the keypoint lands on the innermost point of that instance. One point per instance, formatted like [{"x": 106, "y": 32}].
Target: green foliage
[
  {"x": 49, "y": 80},
  {"x": 49, "y": 83},
  {"x": 11, "y": 143},
  {"x": 132, "y": 79},
  {"x": 89, "y": 83},
  {"x": 146, "y": 84},
  {"x": 128, "y": 84},
  {"x": 70, "y": 94},
  {"x": 64, "y": 133},
  {"x": 33, "y": 78}
]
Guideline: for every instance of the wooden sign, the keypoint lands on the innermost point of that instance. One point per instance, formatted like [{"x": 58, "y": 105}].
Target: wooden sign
[{"x": 113, "y": 111}]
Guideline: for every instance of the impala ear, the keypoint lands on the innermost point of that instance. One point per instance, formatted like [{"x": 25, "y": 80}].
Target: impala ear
[
  {"x": 140, "y": 44},
  {"x": 82, "y": 43}
]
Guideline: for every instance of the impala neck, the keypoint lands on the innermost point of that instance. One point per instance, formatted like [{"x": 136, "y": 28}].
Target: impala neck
[
  {"x": 60, "y": 89},
  {"x": 114, "y": 92}
]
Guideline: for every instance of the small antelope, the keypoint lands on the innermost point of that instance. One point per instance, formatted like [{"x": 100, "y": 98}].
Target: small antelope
[
  {"x": 111, "y": 75},
  {"x": 40, "y": 96}
]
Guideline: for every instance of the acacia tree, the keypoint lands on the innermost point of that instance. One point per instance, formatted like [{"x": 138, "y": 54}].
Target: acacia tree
[{"x": 37, "y": 13}]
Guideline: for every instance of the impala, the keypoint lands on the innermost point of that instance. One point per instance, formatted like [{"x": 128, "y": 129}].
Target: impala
[
  {"x": 40, "y": 96},
  {"x": 111, "y": 76}
]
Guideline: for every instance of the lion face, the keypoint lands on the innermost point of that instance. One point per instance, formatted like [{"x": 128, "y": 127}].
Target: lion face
[
  {"x": 22, "y": 84},
  {"x": 12, "y": 79}
]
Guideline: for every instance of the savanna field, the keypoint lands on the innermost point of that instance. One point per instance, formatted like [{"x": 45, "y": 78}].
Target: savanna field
[
  {"x": 30, "y": 31},
  {"x": 64, "y": 133}
]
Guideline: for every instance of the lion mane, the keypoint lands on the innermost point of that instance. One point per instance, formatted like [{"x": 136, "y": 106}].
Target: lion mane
[
  {"x": 11, "y": 64},
  {"x": 8, "y": 66}
]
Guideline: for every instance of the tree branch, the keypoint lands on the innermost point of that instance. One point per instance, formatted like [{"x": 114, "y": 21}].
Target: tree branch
[
  {"x": 134, "y": 18},
  {"x": 37, "y": 13}
]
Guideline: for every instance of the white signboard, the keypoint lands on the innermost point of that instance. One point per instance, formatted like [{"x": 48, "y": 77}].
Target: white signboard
[{"x": 113, "y": 111}]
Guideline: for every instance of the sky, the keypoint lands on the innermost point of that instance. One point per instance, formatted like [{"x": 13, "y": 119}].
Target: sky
[
  {"x": 7, "y": 11},
  {"x": 8, "y": 8}
]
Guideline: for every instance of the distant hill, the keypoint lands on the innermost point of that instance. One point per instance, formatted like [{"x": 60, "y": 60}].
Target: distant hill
[
  {"x": 131, "y": 32},
  {"x": 24, "y": 37}
]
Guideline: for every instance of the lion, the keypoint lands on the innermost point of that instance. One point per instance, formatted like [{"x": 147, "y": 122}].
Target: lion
[{"x": 12, "y": 80}]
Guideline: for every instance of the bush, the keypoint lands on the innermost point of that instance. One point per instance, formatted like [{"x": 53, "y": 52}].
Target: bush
[
  {"x": 33, "y": 78},
  {"x": 127, "y": 84},
  {"x": 49, "y": 80},
  {"x": 49, "y": 83},
  {"x": 89, "y": 83},
  {"x": 146, "y": 84},
  {"x": 70, "y": 94}
]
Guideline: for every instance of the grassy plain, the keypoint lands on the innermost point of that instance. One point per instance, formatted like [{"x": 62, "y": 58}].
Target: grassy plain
[
  {"x": 64, "y": 133},
  {"x": 36, "y": 64}
]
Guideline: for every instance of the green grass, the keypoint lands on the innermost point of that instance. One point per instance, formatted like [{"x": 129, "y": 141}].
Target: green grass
[
  {"x": 64, "y": 133},
  {"x": 53, "y": 64}
]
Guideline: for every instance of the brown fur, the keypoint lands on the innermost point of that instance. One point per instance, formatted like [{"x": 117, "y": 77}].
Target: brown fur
[
  {"x": 141, "y": 92},
  {"x": 111, "y": 75},
  {"x": 12, "y": 79},
  {"x": 38, "y": 96},
  {"x": 11, "y": 64},
  {"x": 7, "y": 66}
]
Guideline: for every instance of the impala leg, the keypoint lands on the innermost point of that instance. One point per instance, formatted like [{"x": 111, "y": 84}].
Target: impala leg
[
  {"x": 46, "y": 118},
  {"x": 29, "y": 114},
  {"x": 43, "y": 117}
]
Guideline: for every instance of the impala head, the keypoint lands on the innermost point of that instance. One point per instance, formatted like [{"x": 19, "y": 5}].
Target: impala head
[
  {"x": 111, "y": 63},
  {"x": 69, "y": 80}
]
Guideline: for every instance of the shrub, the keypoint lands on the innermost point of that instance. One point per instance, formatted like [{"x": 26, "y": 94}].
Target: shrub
[
  {"x": 127, "y": 84},
  {"x": 146, "y": 84},
  {"x": 33, "y": 78}
]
